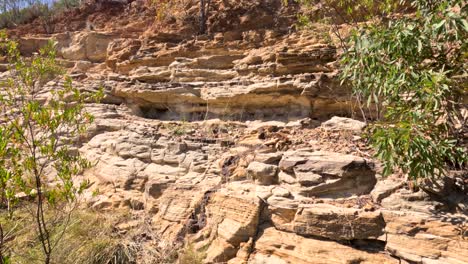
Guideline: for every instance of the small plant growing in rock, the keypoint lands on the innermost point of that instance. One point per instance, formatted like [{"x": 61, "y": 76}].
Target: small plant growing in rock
[
  {"x": 38, "y": 129},
  {"x": 189, "y": 255}
]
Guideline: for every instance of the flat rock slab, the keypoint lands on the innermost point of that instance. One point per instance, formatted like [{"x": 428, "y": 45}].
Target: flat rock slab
[
  {"x": 342, "y": 123},
  {"x": 279, "y": 247},
  {"x": 337, "y": 223},
  {"x": 329, "y": 174}
]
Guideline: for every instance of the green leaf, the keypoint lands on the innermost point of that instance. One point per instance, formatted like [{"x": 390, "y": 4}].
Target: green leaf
[
  {"x": 439, "y": 25},
  {"x": 465, "y": 24}
]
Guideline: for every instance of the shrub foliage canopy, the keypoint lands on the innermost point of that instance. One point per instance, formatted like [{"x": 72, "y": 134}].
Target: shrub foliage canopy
[
  {"x": 38, "y": 131},
  {"x": 413, "y": 69}
]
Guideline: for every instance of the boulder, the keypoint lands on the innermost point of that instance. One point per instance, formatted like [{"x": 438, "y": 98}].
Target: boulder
[
  {"x": 269, "y": 158},
  {"x": 425, "y": 238},
  {"x": 279, "y": 247},
  {"x": 234, "y": 221},
  {"x": 329, "y": 174},
  {"x": 308, "y": 178},
  {"x": 90, "y": 46},
  {"x": 29, "y": 45},
  {"x": 264, "y": 174},
  {"x": 336, "y": 223},
  {"x": 343, "y": 123},
  {"x": 385, "y": 188}
]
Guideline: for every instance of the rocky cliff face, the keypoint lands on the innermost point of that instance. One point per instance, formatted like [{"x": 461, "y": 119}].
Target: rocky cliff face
[{"x": 226, "y": 142}]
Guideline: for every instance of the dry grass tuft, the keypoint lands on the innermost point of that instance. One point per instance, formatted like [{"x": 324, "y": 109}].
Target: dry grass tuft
[{"x": 90, "y": 238}]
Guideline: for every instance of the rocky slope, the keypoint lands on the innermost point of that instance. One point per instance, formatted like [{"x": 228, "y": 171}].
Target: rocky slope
[{"x": 226, "y": 141}]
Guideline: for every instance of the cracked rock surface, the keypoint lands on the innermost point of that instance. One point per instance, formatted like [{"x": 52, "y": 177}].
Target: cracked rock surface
[{"x": 240, "y": 143}]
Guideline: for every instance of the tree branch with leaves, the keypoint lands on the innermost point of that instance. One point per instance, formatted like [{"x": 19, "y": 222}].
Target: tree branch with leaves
[{"x": 38, "y": 130}]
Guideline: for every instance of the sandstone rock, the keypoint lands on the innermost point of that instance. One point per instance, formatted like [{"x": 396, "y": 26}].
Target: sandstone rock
[
  {"x": 407, "y": 200},
  {"x": 271, "y": 85},
  {"x": 119, "y": 50},
  {"x": 243, "y": 254},
  {"x": 337, "y": 223},
  {"x": 422, "y": 238},
  {"x": 234, "y": 220},
  {"x": 217, "y": 61},
  {"x": 82, "y": 66},
  {"x": 269, "y": 158},
  {"x": 220, "y": 251},
  {"x": 263, "y": 173},
  {"x": 286, "y": 178},
  {"x": 384, "y": 188},
  {"x": 119, "y": 173},
  {"x": 151, "y": 74},
  {"x": 342, "y": 123},
  {"x": 282, "y": 212},
  {"x": 90, "y": 46},
  {"x": 281, "y": 192},
  {"x": 306, "y": 122},
  {"x": 238, "y": 218},
  {"x": 342, "y": 175},
  {"x": 176, "y": 207},
  {"x": 29, "y": 45},
  {"x": 157, "y": 184},
  {"x": 264, "y": 192},
  {"x": 275, "y": 246},
  {"x": 308, "y": 178}
]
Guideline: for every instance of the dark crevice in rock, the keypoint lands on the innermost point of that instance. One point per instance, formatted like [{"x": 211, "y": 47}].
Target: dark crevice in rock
[
  {"x": 264, "y": 221},
  {"x": 201, "y": 112},
  {"x": 369, "y": 245},
  {"x": 198, "y": 218}
]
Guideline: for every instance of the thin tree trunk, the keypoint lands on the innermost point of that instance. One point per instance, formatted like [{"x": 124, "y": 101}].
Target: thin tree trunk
[
  {"x": 202, "y": 17},
  {"x": 2, "y": 257},
  {"x": 40, "y": 220}
]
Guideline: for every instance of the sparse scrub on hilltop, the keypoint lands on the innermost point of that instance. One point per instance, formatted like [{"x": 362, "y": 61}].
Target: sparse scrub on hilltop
[{"x": 17, "y": 12}]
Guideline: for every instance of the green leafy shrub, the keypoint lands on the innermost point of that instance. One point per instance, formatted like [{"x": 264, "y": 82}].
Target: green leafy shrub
[
  {"x": 37, "y": 136},
  {"x": 413, "y": 68}
]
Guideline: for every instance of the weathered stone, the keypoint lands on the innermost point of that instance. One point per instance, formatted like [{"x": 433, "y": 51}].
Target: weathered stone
[
  {"x": 384, "y": 188},
  {"x": 264, "y": 87},
  {"x": 342, "y": 175},
  {"x": 407, "y": 200},
  {"x": 243, "y": 254},
  {"x": 156, "y": 185},
  {"x": 220, "y": 251},
  {"x": 308, "y": 178},
  {"x": 342, "y": 123},
  {"x": 422, "y": 238},
  {"x": 283, "y": 212},
  {"x": 281, "y": 192},
  {"x": 263, "y": 173},
  {"x": 275, "y": 246},
  {"x": 90, "y": 46},
  {"x": 338, "y": 223},
  {"x": 235, "y": 221},
  {"x": 269, "y": 158}
]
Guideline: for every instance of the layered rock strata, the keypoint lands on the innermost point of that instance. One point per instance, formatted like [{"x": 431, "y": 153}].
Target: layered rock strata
[{"x": 220, "y": 141}]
